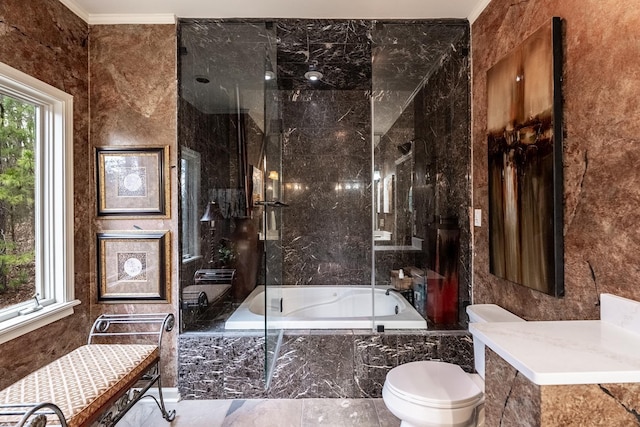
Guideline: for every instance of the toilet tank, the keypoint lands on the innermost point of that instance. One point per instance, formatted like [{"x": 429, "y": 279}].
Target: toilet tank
[{"x": 486, "y": 313}]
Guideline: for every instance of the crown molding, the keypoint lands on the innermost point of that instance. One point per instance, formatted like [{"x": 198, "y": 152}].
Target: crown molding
[
  {"x": 118, "y": 18},
  {"x": 482, "y": 4},
  {"x": 73, "y": 7},
  {"x": 131, "y": 18}
]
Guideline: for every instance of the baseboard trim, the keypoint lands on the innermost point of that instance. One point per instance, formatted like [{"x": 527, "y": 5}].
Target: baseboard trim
[{"x": 170, "y": 394}]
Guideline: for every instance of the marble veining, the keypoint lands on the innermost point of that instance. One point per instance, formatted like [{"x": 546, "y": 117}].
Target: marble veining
[
  {"x": 320, "y": 133},
  {"x": 600, "y": 102},
  {"x": 49, "y": 42},
  {"x": 338, "y": 364}
]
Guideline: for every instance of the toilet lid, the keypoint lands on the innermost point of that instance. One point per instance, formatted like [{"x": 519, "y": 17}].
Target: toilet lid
[{"x": 433, "y": 384}]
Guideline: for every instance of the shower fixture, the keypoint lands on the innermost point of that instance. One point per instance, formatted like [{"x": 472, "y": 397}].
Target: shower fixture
[{"x": 405, "y": 148}]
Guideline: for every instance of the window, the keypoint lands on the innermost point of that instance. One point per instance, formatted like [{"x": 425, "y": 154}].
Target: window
[
  {"x": 36, "y": 204},
  {"x": 189, "y": 194}
]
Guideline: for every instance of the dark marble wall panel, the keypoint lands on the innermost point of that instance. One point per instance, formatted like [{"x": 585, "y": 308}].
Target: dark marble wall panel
[
  {"x": 326, "y": 176},
  {"x": 374, "y": 357},
  {"x": 457, "y": 349},
  {"x": 244, "y": 362},
  {"x": 339, "y": 49},
  {"x": 47, "y": 41},
  {"x": 442, "y": 125},
  {"x": 201, "y": 366},
  {"x": 601, "y": 183},
  {"x": 305, "y": 369},
  {"x": 436, "y": 124},
  {"x": 132, "y": 71},
  {"x": 316, "y": 364}
]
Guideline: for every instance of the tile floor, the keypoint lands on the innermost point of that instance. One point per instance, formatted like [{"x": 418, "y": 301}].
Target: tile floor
[{"x": 264, "y": 413}]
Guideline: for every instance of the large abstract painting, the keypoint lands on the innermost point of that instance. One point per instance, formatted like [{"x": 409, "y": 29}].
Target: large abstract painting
[{"x": 524, "y": 132}]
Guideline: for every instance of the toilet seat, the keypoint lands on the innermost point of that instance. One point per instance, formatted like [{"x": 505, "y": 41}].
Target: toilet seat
[{"x": 434, "y": 384}]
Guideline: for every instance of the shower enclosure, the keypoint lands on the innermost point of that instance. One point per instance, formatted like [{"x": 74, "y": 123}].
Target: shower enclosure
[{"x": 340, "y": 180}]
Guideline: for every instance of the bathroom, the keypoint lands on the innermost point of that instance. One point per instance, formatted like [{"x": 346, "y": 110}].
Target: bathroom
[
  {"x": 393, "y": 102},
  {"x": 600, "y": 182}
]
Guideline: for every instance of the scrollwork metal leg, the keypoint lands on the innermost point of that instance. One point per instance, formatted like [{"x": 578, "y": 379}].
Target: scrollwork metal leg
[{"x": 167, "y": 415}]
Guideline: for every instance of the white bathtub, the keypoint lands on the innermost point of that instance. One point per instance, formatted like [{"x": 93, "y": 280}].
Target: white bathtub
[{"x": 325, "y": 307}]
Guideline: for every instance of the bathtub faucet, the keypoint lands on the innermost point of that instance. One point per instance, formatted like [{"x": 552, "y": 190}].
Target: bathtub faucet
[{"x": 392, "y": 289}]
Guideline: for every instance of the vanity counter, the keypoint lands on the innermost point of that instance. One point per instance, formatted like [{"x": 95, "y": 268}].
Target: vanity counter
[
  {"x": 569, "y": 372},
  {"x": 565, "y": 352}
]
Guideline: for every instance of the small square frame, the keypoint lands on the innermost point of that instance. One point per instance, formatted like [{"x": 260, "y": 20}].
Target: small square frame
[
  {"x": 132, "y": 182},
  {"x": 133, "y": 266}
]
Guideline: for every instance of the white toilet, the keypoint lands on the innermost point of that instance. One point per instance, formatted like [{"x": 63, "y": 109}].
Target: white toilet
[{"x": 439, "y": 394}]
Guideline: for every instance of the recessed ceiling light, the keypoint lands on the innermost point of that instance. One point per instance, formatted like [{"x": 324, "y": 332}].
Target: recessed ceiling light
[
  {"x": 313, "y": 74},
  {"x": 269, "y": 75}
]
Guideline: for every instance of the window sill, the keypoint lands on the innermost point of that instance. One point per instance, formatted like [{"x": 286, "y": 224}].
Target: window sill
[
  {"x": 191, "y": 259},
  {"x": 21, "y": 325}
]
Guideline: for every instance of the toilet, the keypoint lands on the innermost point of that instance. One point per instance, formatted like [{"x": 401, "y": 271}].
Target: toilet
[{"x": 440, "y": 394}]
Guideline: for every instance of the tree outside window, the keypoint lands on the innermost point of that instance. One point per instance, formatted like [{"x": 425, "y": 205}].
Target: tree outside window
[{"x": 17, "y": 215}]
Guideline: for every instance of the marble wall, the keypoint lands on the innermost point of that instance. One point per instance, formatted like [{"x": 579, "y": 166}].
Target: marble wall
[
  {"x": 331, "y": 364},
  {"x": 133, "y": 102},
  {"x": 46, "y": 40},
  {"x": 437, "y": 121},
  {"x": 513, "y": 400},
  {"x": 326, "y": 170},
  {"x": 322, "y": 130},
  {"x": 327, "y": 175},
  {"x": 601, "y": 179}
]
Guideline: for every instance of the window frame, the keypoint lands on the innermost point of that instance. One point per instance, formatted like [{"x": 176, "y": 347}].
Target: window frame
[
  {"x": 193, "y": 176},
  {"x": 54, "y": 217}
]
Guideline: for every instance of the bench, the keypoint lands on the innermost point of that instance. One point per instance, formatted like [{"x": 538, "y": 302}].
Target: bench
[
  {"x": 97, "y": 383},
  {"x": 211, "y": 286}
]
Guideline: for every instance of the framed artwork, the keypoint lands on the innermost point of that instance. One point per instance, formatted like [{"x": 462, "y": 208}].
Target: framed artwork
[
  {"x": 133, "y": 266},
  {"x": 133, "y": 181},
  {"x": 524, "y": 138}
]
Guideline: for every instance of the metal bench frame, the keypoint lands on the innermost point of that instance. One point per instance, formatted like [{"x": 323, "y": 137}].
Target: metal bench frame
[{"x": 106, "y": 327}]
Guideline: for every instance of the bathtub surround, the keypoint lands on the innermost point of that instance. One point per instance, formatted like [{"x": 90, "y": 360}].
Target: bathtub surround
[
  {"x": 321, "y": 133},
  {"x": 325, "y": 307},
  {"x": 329, "y": 364}
]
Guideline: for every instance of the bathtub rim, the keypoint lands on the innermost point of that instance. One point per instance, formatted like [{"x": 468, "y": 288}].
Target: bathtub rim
[{"x": 243, "y": 319}]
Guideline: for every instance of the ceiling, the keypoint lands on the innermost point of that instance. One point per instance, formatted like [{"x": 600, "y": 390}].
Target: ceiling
[
  {"x": 141, "y": 11},
  {"x": 97, "y": 12}
]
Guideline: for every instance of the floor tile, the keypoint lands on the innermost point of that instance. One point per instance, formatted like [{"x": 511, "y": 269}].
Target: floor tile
[
  {"x": 264, "y": 413},
  {"x": 339, "y": 413},
  {"x": 385, "y": 417}
]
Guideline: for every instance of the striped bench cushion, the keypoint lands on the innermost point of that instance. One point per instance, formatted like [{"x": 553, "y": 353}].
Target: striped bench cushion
[{"x": 83, "y": 381}]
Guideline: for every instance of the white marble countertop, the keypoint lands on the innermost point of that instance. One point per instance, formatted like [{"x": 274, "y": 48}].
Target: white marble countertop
[
  {"x": 572, "y": 351},
  {"x": 565, "y": 352}
]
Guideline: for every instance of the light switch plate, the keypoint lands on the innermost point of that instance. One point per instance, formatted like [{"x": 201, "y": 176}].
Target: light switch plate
[{"x": 477, "y": 217}]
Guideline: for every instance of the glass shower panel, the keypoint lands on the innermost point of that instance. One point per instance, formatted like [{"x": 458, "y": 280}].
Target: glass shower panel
[
  {"x": 420, "y": 164},
  {"x": 272, "y": 204},
  {"x": 229, "y": 114}
]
